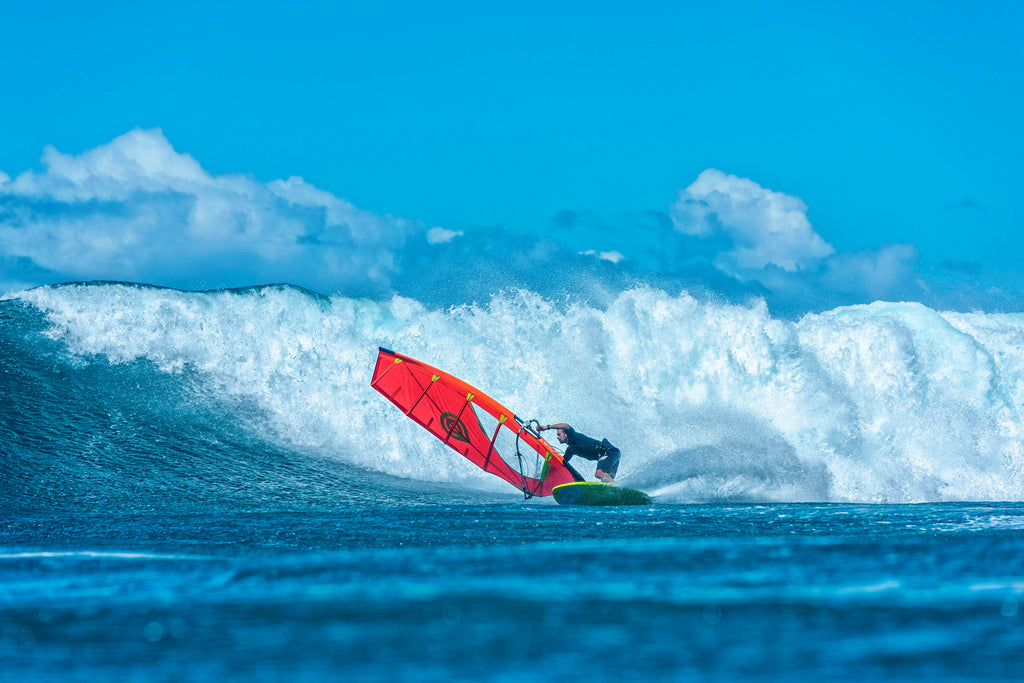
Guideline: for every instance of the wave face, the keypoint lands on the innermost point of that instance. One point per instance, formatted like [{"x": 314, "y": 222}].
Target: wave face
[{"x": 887, "y": 402}]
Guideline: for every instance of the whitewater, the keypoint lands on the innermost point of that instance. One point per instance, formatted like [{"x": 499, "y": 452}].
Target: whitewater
[{"x": 878, "y": 403}]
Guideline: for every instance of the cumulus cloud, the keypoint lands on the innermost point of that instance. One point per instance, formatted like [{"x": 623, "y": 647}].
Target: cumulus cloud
[
  {"x": 757, "y": 235},
  {"x": 442, "y": 235},
  {"x": 879, "y": 272},
  {"x": 764, "y": 228},
  {"x": 136, "y": 208},
  {"x": 611, "y": 256}
]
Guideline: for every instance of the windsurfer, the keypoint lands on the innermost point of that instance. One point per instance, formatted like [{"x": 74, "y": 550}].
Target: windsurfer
[{"x": 606, "y": 455}]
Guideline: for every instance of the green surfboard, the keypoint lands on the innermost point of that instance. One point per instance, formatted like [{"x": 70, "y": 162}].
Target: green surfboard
[{"x": 598, "y": 493}]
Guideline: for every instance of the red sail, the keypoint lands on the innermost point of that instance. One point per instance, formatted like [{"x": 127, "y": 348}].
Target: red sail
[{"x": 470, "y": 422}]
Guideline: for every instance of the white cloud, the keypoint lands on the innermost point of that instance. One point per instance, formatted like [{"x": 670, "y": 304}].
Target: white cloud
[
  {"x": 763, "y": 228},
  {"x": 880, "y": 273},
  {"x": 141, "y": 160},
  {"x": 137, "y": 209},
  {"x": 612, "y": 256},
  {"x": 442, "y": 235}
]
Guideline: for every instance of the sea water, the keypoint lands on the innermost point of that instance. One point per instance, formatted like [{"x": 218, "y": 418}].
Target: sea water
[{"x": 204, "y": 486}]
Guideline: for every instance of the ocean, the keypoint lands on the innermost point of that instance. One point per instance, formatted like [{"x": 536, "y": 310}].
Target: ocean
[{"x": 203, "y": 486}]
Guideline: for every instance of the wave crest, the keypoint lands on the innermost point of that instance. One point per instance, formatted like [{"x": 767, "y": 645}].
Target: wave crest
[{"x": 887, "y": 402}]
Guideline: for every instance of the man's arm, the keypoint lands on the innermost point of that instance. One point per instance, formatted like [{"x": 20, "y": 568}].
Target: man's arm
[{"x": 557, "y": 425}]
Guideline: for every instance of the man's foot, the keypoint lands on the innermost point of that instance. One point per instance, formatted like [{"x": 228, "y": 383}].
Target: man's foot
[{"x": 604, "y": 476}]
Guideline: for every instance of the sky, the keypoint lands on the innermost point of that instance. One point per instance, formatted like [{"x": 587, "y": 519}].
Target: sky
[{"x": 811, "y": 154}]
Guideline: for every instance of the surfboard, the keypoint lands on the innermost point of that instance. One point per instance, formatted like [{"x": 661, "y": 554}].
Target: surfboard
[{"x": 598, "y": 493}]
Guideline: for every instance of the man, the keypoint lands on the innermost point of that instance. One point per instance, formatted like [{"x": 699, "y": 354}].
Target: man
[{"x": 607, "y": 455}]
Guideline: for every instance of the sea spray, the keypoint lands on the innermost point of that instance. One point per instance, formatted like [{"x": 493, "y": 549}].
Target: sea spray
[{"x": 888, "y": 402}]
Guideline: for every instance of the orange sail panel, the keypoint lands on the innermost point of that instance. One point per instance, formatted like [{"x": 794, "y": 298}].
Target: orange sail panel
[{"x": 470, "y": 422}]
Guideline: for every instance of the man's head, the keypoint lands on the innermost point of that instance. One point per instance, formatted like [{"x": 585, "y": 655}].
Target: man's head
[{"x": 561, "y": 435}]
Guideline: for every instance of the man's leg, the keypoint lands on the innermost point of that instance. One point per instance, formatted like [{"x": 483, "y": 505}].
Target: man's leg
[{"x": 608, "y": 465}]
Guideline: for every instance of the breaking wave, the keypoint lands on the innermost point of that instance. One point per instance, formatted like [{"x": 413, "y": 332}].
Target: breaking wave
[{"x": 887, "y": 402}]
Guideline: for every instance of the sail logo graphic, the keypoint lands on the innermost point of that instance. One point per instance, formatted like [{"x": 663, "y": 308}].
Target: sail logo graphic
[{"x": 454, "y": 428}]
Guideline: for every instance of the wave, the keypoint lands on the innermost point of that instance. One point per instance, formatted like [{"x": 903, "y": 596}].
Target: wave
[{"x": 887, "y": 402}]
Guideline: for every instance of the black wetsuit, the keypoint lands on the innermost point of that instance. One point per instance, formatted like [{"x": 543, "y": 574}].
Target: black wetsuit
[{"x": 607, "y": 455}]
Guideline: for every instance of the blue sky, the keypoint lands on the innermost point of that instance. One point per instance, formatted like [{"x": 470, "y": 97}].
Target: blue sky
[{"x": 894, "y": 123}]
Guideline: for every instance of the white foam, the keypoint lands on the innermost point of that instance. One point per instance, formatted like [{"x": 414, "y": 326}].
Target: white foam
[
  {"x": 879, "y": 403},
  {"x": 93, "y": 554}
]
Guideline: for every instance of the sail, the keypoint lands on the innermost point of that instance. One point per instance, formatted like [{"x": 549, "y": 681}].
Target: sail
[{"x": 473, "y": 424}]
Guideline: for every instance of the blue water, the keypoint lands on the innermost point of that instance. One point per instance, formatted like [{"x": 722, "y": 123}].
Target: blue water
[
  {"x": 201, "y": 487},
  {"x": 511, "y": 590}
]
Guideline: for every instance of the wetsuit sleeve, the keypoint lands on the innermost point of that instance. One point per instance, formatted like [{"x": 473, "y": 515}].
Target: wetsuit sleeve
[{"x": 570, "y": 451}]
